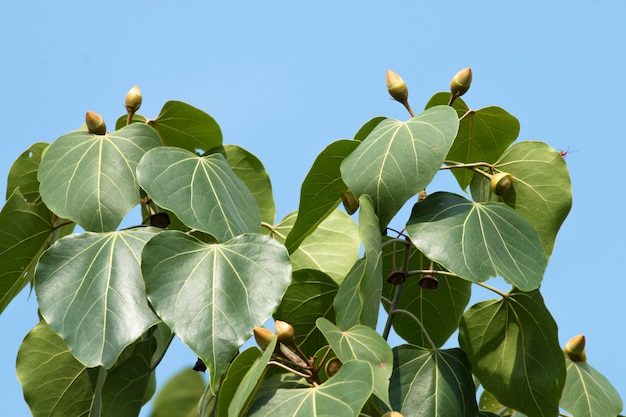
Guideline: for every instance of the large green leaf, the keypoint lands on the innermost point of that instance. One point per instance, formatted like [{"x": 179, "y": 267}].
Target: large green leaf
[
  {"x": 212, "y": 295},
  {"x": 56, "y": 384},
  {"x": 252, "y": 172},
  {"x": 203, "y": 192},
  {"x": 514, "y": 350},
  {"x": 23, "y": 173},
  {"x": 321, "y": 191},
  {"x": 90, "y": 179},
  {"x": 362, "y": 343},
  {"x": 358, "y": 298},
  {"x": 588, "y": 393},
  {"x": 179, "y": 396},
  {"x": 367, "y": 128},
  {"x": 24, "y": 231},
  {"x": 309, "y": 296},
  {"x": 432, "y": 383},
  {"x": 332, "y": 248},
  {"x": 184, "y": 126},
  {"x": 90, "y": 291},
  {"x": 478, "y": 241},
  {"x": 398, "y": 159},
  {"x": 343, "y": 395},
  {"x": 542, "y": 191},
  {"x": 439, "y": 310}
]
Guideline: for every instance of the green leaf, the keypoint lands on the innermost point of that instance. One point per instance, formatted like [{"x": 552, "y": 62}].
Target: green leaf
[
  {"x": 362, "y": 343},
  {"x": 432, "y": 383},
  {"x": 121, "y": 121},
  {"x": 179, "y": 396},
  {"x": 398, "y": 159},
  {"x": 90, "y": 291},
  {"x": 483, "y": 135},
  {"x": 542, "y": 191},
  {"x": 588, "y": 393},
  {"x": 252, "y": 172},
  {"x": 438, "y": 310},
  {"x": 184, "y": 126},
  {"x": 358, "y": 298},
  {"x": 90, "y": 179},
  {"x": 212, "y": 295},
  {"x": 309, "y": 296},
  {"x": 203, "y": 192},
  {"x": 56, "y": 384},
  {"x": 24, "y": 230},
  {"x": 343, "y": 395},
  {"x": 23, "y": 173},
  {"x": 514, "y": 350},
  {"x": 367, "y": 128},
  {"x": 478, "y": 241},
  {"x": 320, "y": 192},
  {"x": 488, "y": 403},
  {"x": 332, "y": 248}
]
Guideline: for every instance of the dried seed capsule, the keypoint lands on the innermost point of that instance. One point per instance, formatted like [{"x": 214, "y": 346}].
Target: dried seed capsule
[{"x": 429, "y": 282}]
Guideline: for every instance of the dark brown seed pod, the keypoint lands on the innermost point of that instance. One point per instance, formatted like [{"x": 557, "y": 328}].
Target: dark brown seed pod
[
  {"x": 396, "y": 277},
  {"x": 429, "y": 282}
]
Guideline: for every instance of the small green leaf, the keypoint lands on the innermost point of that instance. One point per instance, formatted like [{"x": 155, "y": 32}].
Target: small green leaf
[
  {"x": 362, "y": 343},
  {"x": 179, "y": 396},
  {"x": 184, "y": 126},
  {"x": 90, "y": 179},
  {"x": 321, "y": 191},
  {"x": 203, "y": 192},
  {"x": 23, "y": 173},
  {"x": 398, "y": 159},
  {"x": 588, "y": 393},
  {"x": 213, "y": 295},
  {"x": 90, "y": 291},
  {"x": 478, "y": 241},
  {"x": 343, "y": 395},
  {"x": 432, "y": 383},
  {"x": 514, "y": 350}
]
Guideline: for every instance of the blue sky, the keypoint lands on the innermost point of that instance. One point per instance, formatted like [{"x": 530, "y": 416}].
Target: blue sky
[{"x": 284, "y": 79}]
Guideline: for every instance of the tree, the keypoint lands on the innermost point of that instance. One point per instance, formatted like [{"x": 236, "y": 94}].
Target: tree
[{"x": 208, "y": 264}]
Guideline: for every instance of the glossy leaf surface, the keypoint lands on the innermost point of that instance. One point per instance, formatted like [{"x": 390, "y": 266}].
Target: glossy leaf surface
[
  {"x": 432, "y": 383},
  {"x": 212, "y": 295},
  {"x": 478, "y": 241},
  {"x": 23, "y": 173},
  {"x": 179, "y": 396},
  {"x": 91, "y": 292},
  {"x": 398, "y": 159},
  {"x": 514, "y": 350},
  {"x": 203, "y": 192},
  {"x": 90, "y": 179}
]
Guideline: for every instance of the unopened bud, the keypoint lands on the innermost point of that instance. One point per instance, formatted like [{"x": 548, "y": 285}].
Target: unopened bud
[
  {"x": 350, "y": 203},
  {"x": 332, "y": 366},
  {"x": 133, "y": 99},
  {"x": 461, "y": 82},
  {"x": 393, "y": 414},
  {"x": 95, "y": 124},
  {"x": 501, "y": 183},
  {"x": 285, "y": 333},
  {"x": 397, "y": 87},
  {"x": 262, "y": 336},
  {"x": 575, "y": 349}
]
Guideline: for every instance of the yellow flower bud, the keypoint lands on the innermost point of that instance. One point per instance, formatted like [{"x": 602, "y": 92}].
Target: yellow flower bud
[
  {"x": 285, "y": 333},
  {"x": 575, "y": 349},
  {"x": 332, "y": 366},
  {"x": 95, "y": 124},
  {"x": 397, "y": 87},
  {"x": 393, "y": 414},
  {"x": 501, "y": 183},
  {"x": 461, "y": 82},
  {"x": 350, "y": 203},
  {"x": 262, "y": 336},
  {"x": 133, "y": 99}
]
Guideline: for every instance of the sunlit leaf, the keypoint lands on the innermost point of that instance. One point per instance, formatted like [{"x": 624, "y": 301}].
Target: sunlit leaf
[
  {"x": 341, "y": 396},
  {"x": 367, "y": 128},
  {"x": 184, "y": 126},
  {"x": 432, "y": 383},
  {"x": 90, "y": 291},
  {"x": 121, "y": 121},
  {"x": 514, "y": 350},
  {"x": 23, "y": 173},
  {"x": 90, "y": 179},
  {"x": 542, "y": 191},
  {"x": 179, "y": 396},
  {"x": 203, "y": 192},
  {"x": 212, "y": 295},
  {"x": 320, "y": 192},
  {"x": 398, "y": 159},
  {"x": 478, "y": 241}
]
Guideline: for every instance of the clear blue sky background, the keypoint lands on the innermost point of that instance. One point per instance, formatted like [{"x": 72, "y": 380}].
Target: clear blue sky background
[{"x": 286, "y": 78}]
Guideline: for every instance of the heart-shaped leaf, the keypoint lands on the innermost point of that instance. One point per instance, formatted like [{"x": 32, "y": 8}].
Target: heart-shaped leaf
[
  {"x": 362, "y": 343},
  {"x": 90, "y": 291},
  {"x": 588, "y": 393},
  {"x": 179, "y": 396},
  {"x": 542, "y": 191},
  {"x": 514, "y": 350},
  {"x": 203, "y": 192},
  {"x": 398, "y": 159},
  {"x": 432, "y": 383},
  {"x": 367, "y": 128},
  {"x": 90, "y": 179},
  {"x": 343, "y": 395},
  {"x": 478, "y": 241},
  {"x": 184, "y": 126},
  {"x": 23, "y": 173},
  {"x": 213, "y": 295},
  {"x": 321, "y": 191}
]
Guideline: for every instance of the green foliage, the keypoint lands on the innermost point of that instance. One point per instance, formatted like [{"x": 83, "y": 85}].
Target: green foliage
[{"x": 209, "y": 264}]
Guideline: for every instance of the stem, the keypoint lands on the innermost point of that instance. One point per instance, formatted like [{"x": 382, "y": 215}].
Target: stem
[
  {"x": 490, "y": 288},
  {"x": 419, "y": 323},
  {"x": 430, "y": 271},
  {"x": 129, "y": 117},
  {"x": 60, "y": 225},
  {"x": 454, "y": 164},
  {"x": 303, "y": 375},
  {"x": 466, "y": 113},
  {"x": 398, "y": 292},
  {"x": 396, "y": 240}
]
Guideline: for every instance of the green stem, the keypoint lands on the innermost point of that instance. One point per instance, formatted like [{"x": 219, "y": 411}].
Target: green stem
[
  {"x": 454, "y": 164},
  {"x": 303, "y": 375},
  {"x": 420, "y": 324},
  {"x": 430, "y": 271},
  {"x": 398, "y": 292},
  {"x": 490, "y": 288}
]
